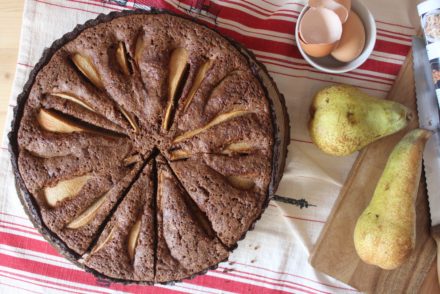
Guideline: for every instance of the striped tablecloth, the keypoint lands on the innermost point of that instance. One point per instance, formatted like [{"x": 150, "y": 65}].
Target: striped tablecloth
[{"x": 273, "y": 257}]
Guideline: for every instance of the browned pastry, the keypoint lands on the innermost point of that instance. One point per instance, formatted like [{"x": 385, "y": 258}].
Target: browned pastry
[{"x": 146, "y": 137}]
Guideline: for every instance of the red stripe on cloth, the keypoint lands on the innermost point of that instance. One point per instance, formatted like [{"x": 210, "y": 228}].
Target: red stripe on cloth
[
  {"x": 269, "y": 11},
  {"x": 56, "y": 283},
  {"x": 397, "y": 33},
  {"x": 291, "y": 50},
  {"x": 305, "y": 64},
  {"x": 20, "y": 230},
  {"x": 386, "y": 68},
  {"x": 293, "y": 275},
  {"x": 393, "y": 37},
  {"x": 102, "y": 5},
  {"x": 15, "y": 277},
  {"x": 305, "y": 219},
  {"x": 301, "y": 141},
  {"x": 283, "y": 25},
  {"x": 5, "y": 213},
  {"x": 311, "y": 69},
  {"x": 16, "y": 224},
  {"x": 16, "y": 287},
  {"x": 280, "y": 12},
  {"x": 393, "y": 48},
  {"x": 296, "y": 14},
  {"x": 32, "y": 253},
  {"x": 231, "y": 274},
  {"x": 279, "y": 26},
  {"x": 265, "y": 9},
  {"x": 43, "y": 247},
  {"x": 394, "y": 24},
  {"x": 387, "y": 57},
  {"x": 231, "y": 285},
  {"x": 71, "y": 275},
  {"x": 319, "y": 72},
  {"x": 281, "y": 5},
  {"x": 232, "y": 270},
  {"x": 25, "y": 65},
  {"x": 27, "y": 243}
]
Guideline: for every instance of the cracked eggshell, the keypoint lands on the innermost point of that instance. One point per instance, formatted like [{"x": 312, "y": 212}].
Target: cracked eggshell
[
  {"x": 320, "y": 26},
  {"x": 336, "y": 6},
  {"x": 317, "y": 50},
  {"x": 352, "y": 42}
]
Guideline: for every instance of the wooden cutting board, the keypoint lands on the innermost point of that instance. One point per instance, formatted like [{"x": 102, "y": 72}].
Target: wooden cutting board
[{"x": 334, "y": 253}]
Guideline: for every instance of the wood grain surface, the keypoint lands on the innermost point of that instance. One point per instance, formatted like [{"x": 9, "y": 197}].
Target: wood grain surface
[
  {"x": 10, "y": 22},
  {"x": 334, "y": 253}
]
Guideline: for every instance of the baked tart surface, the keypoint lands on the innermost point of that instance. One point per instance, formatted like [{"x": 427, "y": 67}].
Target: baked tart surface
[{"x": 144, "y": 147}]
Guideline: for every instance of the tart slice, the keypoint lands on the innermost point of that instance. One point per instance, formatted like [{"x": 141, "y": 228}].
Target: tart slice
[
  {"x": 229, "y": 209},
  {"x": 125, "y": 248},
  {"x": 186, "y": 242}
]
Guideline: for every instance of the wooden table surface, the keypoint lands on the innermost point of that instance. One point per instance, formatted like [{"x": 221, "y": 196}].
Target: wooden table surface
[{"x": 10, "y": 22}]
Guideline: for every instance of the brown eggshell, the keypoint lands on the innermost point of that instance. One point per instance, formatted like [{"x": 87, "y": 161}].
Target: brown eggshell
[
  {"x": 352, "y": 42},
  {"x": 317, "y": 50}
]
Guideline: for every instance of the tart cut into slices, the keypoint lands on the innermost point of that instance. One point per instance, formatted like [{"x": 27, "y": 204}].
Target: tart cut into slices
[{"x": 143, "y": 146}]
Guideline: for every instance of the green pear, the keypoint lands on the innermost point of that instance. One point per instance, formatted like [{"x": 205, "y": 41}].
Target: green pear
[
  {"x": 385, "y": 232},
  {"x": 345, "y": 119}
]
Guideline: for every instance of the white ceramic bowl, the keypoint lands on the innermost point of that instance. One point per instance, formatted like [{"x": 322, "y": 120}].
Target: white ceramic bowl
[{"x": 331, "y": 65}]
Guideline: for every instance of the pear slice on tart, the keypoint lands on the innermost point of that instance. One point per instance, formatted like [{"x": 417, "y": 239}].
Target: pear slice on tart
[
  {"x": 65, "y": 189},
  {"x": 177, "y": 66},
  {"x": 85, "y": 65}
]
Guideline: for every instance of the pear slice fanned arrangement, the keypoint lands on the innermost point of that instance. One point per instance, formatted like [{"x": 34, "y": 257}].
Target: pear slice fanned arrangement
[
  {"x": 133, "y": 218},
  {"x": 345, "y": 120},
  {"x": 87, "y": 68}
]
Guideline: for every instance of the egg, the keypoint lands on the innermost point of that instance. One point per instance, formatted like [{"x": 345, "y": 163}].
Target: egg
[
  {"x": 317, "y": 50},
  {"x": 320, "y": 26},
  {"x": 338, "y": 8},
  {"x": 352, "y": 41}
]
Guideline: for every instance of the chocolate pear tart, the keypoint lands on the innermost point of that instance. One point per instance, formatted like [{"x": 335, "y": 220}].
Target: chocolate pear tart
[{"x": 146, "y": 145}]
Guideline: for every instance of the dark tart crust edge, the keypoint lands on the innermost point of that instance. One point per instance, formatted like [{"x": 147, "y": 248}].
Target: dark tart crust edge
[{"x": 280, "y": 143}]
